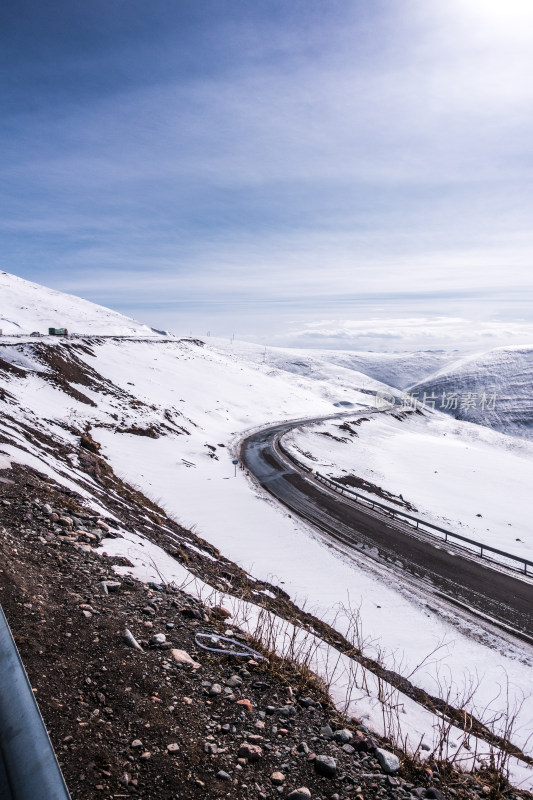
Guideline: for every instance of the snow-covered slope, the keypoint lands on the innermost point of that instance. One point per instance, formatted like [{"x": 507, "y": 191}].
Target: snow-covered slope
[
  {"x": 494, "y": 389},
  {"x": 394, "y": 369},
  {"x": 166, "y": 415},
  {"x": 26, "y": 307}
]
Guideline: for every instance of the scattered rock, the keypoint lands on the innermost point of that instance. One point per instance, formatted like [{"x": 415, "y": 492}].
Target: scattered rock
[
  {"x": 326, "y": 732},
  {"x": 219, "y": 612},
  {"x": 130, "y": 639},
  {"x": 252, "y": 752},
  {"x": 343, "y": 736},
  {"x": 435, "y": 794},
  {"x": 326, "y": 766},
  {"x": 389, "y": 762},
  {"x": 183, "y": 657},
  {"x": 302, "y": 793}
]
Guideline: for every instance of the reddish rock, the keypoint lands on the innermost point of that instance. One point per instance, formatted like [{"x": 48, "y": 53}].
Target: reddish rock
[
  {"x": 252, "y": 752},
  {"x": 220, "y": 612}
]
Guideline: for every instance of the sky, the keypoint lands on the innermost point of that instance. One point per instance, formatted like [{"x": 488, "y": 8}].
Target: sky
[{"x": 312, "y": 173}]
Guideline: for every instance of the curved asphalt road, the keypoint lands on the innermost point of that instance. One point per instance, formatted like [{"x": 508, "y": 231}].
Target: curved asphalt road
[{"x": 497, "y": 594}]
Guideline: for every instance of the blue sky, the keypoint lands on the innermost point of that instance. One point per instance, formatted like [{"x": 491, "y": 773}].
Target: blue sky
[{"x": 299, "y": 172}]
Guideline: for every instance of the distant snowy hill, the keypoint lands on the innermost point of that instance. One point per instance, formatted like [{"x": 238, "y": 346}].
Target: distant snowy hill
[
  {"x": 26, "y": 307},
  {"x": 398, "y": 370},
  {"x": 494, "y": 389}
]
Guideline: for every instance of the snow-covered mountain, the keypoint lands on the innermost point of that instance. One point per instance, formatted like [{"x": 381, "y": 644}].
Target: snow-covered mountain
[
  {"x": 164, "y": 417},
  {"x": 494, "y": 389},
  {"x": 26, "y": 307}
]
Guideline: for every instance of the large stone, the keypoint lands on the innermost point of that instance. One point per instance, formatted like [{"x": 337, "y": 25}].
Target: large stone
[
  {"x": 360, "y": 742},
  {"x": 182, "y": 657},
  {"x": 306, "y": 702},
  {"x": 302, "y": 793},
  {"x": 435, "y": 794},
  {"x": 252, "y": 752},
  {"x": 326, "y": 766},
  {"x": 344, "y": 736},
  {"x": 130, "y": 639},
  {"x": 388, "y": 762}
]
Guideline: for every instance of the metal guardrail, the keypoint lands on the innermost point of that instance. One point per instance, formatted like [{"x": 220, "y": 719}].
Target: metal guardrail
[
  {"x": 28, "y": 766},
  {"x": 419, "y": 524}
]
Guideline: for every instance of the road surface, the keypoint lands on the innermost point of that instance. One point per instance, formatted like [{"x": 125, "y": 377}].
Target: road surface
[{"x": 492, "y": 592}]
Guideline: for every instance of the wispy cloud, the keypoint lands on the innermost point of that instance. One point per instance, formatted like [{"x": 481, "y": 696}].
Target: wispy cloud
[
  {"x": 413, "y": 333},
  {"x": 282, "y": 153}
]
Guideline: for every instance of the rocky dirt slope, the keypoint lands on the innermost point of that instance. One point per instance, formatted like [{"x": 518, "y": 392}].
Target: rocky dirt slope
[{"x": 169, "y": 719}]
